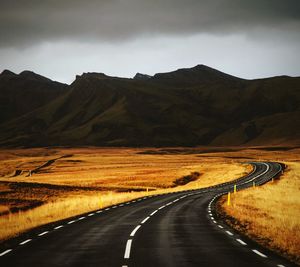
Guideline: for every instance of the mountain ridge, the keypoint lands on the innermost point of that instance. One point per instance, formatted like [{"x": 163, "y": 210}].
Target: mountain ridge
[{"x": 186, "y": 107}]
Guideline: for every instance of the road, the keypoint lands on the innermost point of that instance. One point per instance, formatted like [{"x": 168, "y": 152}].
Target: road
[{"x": 178, "y": 229}]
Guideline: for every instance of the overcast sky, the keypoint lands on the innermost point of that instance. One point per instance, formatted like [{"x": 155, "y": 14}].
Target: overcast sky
[{"x": 62, "y": 38}]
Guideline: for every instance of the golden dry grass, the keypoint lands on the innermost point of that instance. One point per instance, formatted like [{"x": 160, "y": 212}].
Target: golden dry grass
[
  {"x": 91, "y": 174},
  {"x": 271, "y": 213},
  {"x": 112, "y": 175},
  {"x": 13, "y": 224}
]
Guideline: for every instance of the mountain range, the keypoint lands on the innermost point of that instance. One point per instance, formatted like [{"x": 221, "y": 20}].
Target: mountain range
[{"x": 187, "y": 107}]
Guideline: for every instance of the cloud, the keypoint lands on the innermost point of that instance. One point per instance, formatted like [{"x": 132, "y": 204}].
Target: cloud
[
  {"x": 233, "y": 54},
  {"x": 24, "y": 23}
]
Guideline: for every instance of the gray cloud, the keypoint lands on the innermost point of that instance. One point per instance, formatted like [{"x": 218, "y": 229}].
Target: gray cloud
[{"x": 23, "y": 23}]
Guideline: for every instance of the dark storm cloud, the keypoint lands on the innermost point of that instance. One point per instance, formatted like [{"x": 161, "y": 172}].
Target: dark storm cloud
[{"x": 29, "y": 22}]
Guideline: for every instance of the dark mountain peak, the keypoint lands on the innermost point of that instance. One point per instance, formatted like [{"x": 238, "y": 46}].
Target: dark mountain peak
[
  {"x": 198, "y": 75},
  {"x": 7, "y": 72},
  {"x": 142, "y": 77},
  {"x": 93, "y": 75},
  {"x": 33, "y": 76},
  {"x": 201, "y": 67}
]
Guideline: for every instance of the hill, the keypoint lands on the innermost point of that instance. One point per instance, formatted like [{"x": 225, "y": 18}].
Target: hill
[
  {"x": 187, "y": 107},
  {"x": 24, "y": 92}
]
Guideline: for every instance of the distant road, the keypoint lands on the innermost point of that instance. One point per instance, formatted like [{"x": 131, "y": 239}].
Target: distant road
[{"x": 178, "y": 229}]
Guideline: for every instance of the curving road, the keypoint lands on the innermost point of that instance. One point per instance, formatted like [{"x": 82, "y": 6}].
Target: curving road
[{"x": 178, "y": 229}]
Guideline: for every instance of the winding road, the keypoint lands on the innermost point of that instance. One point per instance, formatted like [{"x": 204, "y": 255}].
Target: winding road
[{"x": 176, "y": 229}]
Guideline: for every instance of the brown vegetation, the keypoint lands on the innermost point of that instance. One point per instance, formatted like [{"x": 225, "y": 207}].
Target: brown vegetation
[
  {"x": 186, "y": 179},
  {"x": 95, "y": 177}
]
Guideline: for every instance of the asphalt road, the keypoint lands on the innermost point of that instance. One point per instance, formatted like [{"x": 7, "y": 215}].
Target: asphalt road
[{"x": 178, "y": 229}]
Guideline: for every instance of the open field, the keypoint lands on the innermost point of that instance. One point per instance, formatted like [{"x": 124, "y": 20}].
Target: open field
[
  {"x": 66, "y": 182},
  {"x": 61, "y": 179},
  {"x": 270, "y": 214}
]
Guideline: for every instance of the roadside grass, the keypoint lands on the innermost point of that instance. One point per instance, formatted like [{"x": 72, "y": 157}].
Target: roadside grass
[
  {"x": 16, "y": 223},
  {"x": 270, "y": 214}
]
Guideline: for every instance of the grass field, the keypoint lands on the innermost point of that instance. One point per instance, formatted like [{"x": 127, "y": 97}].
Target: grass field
[{"x": 97, "y": 177}]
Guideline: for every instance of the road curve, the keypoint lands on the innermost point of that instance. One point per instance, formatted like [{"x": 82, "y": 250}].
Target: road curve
[{"x": 177, "y": 229}]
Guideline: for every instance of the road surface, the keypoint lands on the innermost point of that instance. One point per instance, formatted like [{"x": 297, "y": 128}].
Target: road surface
[{"x": 177, "y": 229}]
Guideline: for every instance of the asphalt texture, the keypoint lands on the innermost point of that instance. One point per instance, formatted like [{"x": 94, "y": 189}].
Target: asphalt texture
[{"x": 177, "y": 229}]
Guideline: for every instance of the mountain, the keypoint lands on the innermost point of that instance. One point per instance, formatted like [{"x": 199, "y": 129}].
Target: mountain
[
  {"x": 187, "y": 107},
  {"x": 24, "y": 92},
  {"x": 141, "y": 76}
]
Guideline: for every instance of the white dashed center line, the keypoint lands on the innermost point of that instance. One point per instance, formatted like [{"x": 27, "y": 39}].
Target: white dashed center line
[
  {"x": 146, "y": 219},
  {"x": 70, "y": 222},
  {"x": 128, "y": 248},
  {"x": 135, "y": 230},
  {"x": 57, "y": 227},
  {"x": 153, "y": 212}
]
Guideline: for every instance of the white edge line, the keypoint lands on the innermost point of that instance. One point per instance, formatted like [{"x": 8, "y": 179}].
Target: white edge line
[
  {"x": 41, "y": 234},
  {"x": 259, "y": 253},
  {"x": 229, "y": 233},
  {"x": 5, "y": 252},
  {"x": 127, "y": 249},
  {"x": 24, "y": 242},
  {"x": 241, "y": 242}
]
